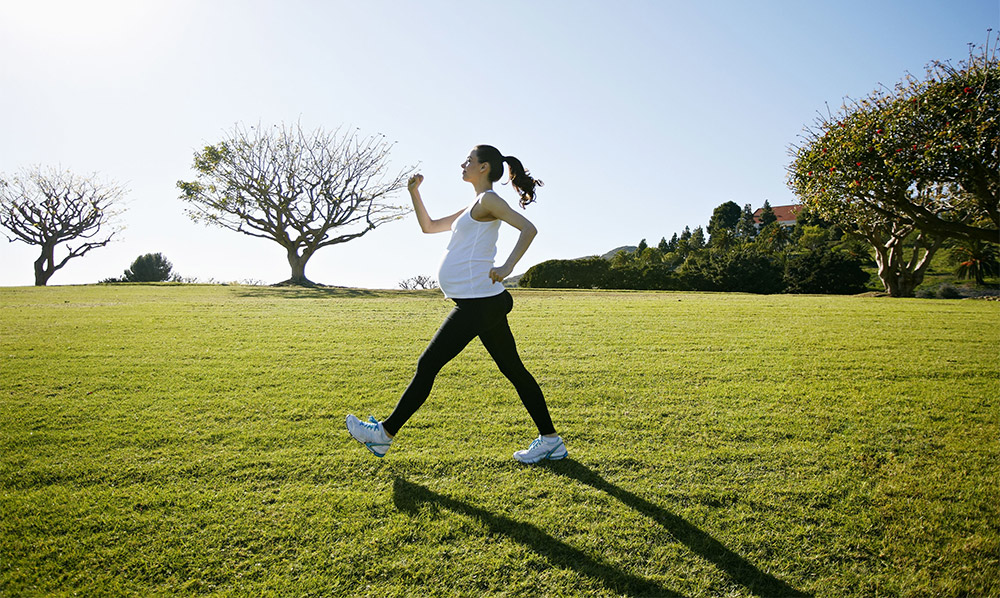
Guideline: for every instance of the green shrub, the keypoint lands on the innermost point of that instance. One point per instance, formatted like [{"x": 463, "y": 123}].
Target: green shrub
[
  {"x": 947, "y": 291},
  {"x": 586, "y": 273},
  {"x": 151, "y": 267},
  {"x": 822, "y": 271}
]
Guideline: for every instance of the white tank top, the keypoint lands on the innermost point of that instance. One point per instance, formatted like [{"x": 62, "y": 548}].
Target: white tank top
[{"x": 465, "y": 269}]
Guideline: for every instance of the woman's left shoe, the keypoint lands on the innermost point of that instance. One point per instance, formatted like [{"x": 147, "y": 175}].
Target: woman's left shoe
[
  {"x": 541, "y": 448},
  {"x": 370, "y": 433}
]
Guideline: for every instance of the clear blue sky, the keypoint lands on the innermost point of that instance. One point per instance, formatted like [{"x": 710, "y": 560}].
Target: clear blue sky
[{"x": 640, "y": 116}]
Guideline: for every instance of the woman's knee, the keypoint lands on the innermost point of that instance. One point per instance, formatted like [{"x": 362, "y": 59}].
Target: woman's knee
[
  {"x": 428, "y": 365},
  {"x": 515, "y": 371}
]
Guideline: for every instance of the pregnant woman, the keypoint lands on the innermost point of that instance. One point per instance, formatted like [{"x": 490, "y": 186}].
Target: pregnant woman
[{"x": 468, "y": 277}]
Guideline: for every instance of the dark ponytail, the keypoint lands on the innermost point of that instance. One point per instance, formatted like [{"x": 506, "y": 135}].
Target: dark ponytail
[{"x": 519, "y": 177}]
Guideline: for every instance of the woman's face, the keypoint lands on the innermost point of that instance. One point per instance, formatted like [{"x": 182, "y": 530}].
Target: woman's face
[{"x": 472, "y": 167}]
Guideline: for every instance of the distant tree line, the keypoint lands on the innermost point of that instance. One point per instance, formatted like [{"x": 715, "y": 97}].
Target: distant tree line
[{"x": 737, "y": 255}]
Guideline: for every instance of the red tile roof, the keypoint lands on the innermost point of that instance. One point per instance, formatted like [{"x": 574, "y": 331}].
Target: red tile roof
[{"x": 785, "y": 214}]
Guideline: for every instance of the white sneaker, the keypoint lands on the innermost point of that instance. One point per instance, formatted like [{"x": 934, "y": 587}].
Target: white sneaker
[
  {"x": 543, "y": 448},
  {"x": 370, "y": 433}
]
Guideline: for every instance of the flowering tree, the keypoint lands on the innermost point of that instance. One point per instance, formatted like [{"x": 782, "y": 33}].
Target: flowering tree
[
  {"x": 49, "y": 208},
  {"x": 304, "y": 191},
  {"x": 909, "y": 166}
]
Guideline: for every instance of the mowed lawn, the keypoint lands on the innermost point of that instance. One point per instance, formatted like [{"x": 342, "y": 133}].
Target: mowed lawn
[{"x": 188, "y": 440}]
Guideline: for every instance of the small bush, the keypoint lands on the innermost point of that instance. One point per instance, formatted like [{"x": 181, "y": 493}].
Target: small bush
[
  {"x": 947, "y": 291},
  {"x": 152, "y": 267}
]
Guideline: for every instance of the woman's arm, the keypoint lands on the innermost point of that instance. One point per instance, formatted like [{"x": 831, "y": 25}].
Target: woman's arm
[
  {"x": 498, "y": 208},
  {"x": 428, "y": 224}
]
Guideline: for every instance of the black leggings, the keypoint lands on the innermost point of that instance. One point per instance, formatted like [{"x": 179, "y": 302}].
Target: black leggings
[{"x": 487, "y": 319}]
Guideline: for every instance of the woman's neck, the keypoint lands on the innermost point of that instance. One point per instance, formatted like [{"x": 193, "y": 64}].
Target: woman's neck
[{"x": 482, "y": 187}]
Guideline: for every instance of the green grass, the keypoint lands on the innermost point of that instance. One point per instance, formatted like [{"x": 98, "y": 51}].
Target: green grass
[{"x": 188, "y": 440}]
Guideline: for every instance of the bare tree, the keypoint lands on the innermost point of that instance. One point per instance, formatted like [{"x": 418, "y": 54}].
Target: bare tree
[
  {"x": 304, "y": 191},
  {"x": 418, "y": 282},
  {"x": 46, "y": 207}
]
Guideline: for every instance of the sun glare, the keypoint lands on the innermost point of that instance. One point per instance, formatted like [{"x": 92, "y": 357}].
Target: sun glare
[{"x": 75, "y": 25}]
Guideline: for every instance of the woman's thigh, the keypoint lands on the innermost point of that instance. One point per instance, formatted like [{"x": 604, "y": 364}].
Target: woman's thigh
[{"x": 455, "y": 333}]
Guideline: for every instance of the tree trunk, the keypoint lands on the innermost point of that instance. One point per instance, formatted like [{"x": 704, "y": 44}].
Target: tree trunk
[
  {"x": 43, "y": 273},
  {"x": 914, "y": 272},
  {"x": 901, "y": 278},
  {"x": 298, "y": 264},
  {"x": 886, "y": 273}
]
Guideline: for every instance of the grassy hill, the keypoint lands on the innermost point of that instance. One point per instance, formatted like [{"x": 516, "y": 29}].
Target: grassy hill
[{"x": 182, "y": 440}]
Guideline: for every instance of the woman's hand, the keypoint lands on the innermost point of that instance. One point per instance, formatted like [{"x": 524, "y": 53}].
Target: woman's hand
[
  {"x": 427, "y": 224},
  {"x": 499, "y": 273}
]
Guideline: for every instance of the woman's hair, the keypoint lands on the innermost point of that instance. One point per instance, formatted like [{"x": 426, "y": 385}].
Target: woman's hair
[{"x": 519, "y": 177}]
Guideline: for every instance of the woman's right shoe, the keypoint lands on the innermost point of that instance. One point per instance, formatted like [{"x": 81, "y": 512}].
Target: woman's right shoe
[{"x": 541, "y": 448}]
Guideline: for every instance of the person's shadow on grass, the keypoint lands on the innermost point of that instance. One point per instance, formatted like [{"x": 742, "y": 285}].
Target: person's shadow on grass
[
  {"x": 698, "y": 541},
  {"x": 409, "y": 496}
]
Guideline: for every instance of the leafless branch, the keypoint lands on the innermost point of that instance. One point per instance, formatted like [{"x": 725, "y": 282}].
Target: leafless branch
[
  {"x": 48, "y": 207},
  {"x": 297, "y": 188}
]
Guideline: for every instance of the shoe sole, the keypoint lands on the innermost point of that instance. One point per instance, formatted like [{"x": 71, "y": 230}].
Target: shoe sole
[{"x": 549, "y": 456}]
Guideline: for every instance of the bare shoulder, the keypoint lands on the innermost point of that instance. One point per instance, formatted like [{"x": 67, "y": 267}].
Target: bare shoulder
[
  {"x": 499, "y": 209},
  {"x": 495, "y": 204}
]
